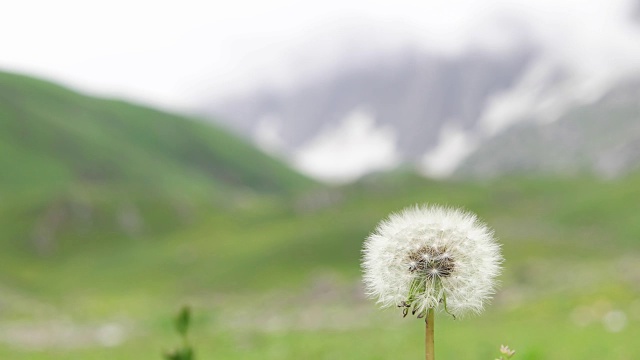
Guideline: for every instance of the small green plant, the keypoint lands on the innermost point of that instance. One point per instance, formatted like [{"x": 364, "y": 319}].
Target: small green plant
[
  {"x": 505, "y": 353},
  {"x": 185, "y": 351}
]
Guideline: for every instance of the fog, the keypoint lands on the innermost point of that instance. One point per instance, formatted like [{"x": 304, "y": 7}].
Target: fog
[{"x": 180, "y": 55}]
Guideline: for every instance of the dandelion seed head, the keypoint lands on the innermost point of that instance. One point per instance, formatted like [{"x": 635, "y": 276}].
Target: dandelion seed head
[{"x": 431, "y": 257}]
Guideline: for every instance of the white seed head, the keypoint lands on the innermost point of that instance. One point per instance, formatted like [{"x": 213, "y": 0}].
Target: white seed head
[{"x": 432, "y": 257}]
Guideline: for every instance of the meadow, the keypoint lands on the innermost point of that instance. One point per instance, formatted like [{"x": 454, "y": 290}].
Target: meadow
[{"x": 278, "y": 277}]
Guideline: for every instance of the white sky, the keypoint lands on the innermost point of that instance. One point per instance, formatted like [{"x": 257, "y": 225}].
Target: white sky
[{"x": 176, "y": 53}]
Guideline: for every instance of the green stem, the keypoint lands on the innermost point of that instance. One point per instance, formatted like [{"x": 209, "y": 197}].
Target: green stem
[
  {"x": 429, "y": 332},
  {"x": 186, "y": 348},
  {"x": 444, "y": 300}
]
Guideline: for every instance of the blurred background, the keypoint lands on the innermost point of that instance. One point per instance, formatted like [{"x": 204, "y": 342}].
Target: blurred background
[{"x": 233, "y": 156}]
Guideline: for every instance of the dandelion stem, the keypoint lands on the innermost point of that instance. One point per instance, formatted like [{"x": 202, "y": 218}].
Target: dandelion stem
[{"x": 428, "y": 340}]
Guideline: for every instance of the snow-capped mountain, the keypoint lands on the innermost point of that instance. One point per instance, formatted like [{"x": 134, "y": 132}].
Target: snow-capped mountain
[
  {"x": 393, "y": 109},
  {"x": 449, "y": 112}
]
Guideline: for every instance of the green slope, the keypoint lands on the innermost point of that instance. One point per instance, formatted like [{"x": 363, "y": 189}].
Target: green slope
[
  {"x": 78, "y": 171},
  {"x": 53, "y": 137}
]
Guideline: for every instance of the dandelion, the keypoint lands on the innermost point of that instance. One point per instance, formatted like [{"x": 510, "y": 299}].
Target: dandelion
[{"x": 429, "y": 258}]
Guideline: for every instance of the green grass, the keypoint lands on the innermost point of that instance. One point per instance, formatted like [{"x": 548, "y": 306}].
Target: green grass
[{"x": 278, "y": 280}]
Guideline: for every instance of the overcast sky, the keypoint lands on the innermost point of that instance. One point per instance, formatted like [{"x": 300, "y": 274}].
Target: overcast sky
[{"x": 177, "y": 53}]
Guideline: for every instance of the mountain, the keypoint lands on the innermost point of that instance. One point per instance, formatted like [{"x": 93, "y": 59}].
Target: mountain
[
  {"x": 602, "y": 138},
  {"x": 88, "y": 170},
  {"x": 52, "y": 135},
  {"x": 402, "y": 102}
]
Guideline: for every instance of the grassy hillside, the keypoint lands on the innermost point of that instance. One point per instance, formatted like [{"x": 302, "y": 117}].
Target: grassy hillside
[
  {"x": 74, "y": 166},
  {"x": 51, "y": 136},
  {"x": 280, "y": 280}
]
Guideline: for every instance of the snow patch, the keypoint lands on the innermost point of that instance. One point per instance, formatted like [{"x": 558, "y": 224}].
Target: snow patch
[
  {"x": 514, "y": 105},
  {"x": 454, "y": 145},
  {"x": 346, "y": 152},
  {"x": 545, "y": 93},
  {"x": 267, "y": 135}
]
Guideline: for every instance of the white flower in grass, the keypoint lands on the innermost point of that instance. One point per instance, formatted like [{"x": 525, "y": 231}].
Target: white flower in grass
[{"x": 431, "y": 257}]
